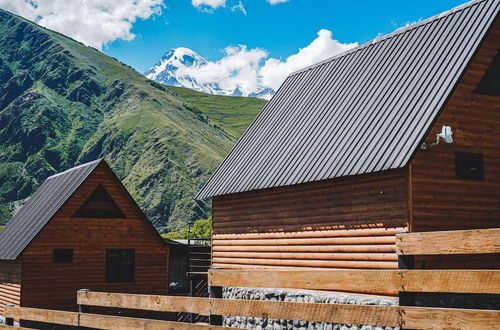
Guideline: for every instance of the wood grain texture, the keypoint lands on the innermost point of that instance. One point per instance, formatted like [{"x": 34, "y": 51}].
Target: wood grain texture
[
  {"x": 96, "y": 321},
  {"x": 340, "y": 313},
  {"x": 10, "y": 283},
  {"x": 440, "y": 200},
  {"x": 50, "y": 285},
  {"x": 473, "y": 241},
  {"x": 449, "y": 318},
  {"x": 407, "y": 317},
  {"x": 342, "y": 223},
  {"x": 449, "y": 281}
]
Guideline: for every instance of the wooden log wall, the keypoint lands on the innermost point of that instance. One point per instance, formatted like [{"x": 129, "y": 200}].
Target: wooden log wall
[
  {"x": 344, "y": 223},
  {"x": 54, "y": 285},
  {"x": 10, "y": 283},
  {"x": 440, "y": 200}
]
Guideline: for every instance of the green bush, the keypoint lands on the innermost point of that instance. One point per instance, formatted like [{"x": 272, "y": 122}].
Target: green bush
[{"x": 200, "y": 229}]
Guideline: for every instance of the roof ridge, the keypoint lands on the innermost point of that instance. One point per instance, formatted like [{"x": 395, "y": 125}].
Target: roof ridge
[
  {"x": 75, "y": 168},
  {"x": 389, "y": 35}
]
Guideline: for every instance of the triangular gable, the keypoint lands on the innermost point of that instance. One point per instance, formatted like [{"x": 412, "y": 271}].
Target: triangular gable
[
  {"x": 46, "y": 202},
  {"x": 99, "y": 204},
  {"x": 366, "y": 110}
]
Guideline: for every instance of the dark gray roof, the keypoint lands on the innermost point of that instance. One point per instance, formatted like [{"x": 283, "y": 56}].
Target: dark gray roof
[
  {"x": 363, "y": 111},
  {"x": 40, "y": 208}
]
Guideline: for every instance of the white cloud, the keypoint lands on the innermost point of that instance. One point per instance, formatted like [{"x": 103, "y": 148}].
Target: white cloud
[
  {"x": 93, "y": 22},
  {"x": 273, "y": 2},
  {"x": 208, "y": 5},
  {"x": 324, "y": 46},
  {"x": 239, "y": 7},
  {"x": 248, "y": 69},
  {"x": 238, "y": 68}
]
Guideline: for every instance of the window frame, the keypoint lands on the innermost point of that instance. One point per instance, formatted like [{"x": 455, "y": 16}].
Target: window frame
[
  {"x": 62, "y": 256},
  {"x": 120, "y": 266},
  {"x": 464, "y": 172}
]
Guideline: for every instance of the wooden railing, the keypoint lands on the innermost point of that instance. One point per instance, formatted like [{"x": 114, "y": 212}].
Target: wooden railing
[{"x": 403, "y": 281}]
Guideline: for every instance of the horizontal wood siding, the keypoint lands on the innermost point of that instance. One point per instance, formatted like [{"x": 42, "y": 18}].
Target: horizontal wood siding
[
  {"x": 440, "y": 200},
  {"x": 341, "y": 223},
  {"x": 10, "y": 283},
  {"x": 53, "y": 285}
]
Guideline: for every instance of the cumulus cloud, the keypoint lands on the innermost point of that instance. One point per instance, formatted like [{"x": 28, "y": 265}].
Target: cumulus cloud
[
  {"x": 239, "y": 7},
  {"x": 208, "y": 5},
  {"x": 273, "y": 2},
  {"x": 92, "y": 22},
  {"x": 324, "y": 46},
  {"x": 239, "y": 68},
  {"x": 251, "y": 71}
]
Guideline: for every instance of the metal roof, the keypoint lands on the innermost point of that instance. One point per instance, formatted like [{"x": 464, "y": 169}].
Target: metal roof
[
  {"x": 363, "y": 111},
  {"x": 40, "y": 208}
]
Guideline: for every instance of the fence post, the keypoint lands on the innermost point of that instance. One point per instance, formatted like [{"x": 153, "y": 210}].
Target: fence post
[
  {"x": 9, "y": 320},
  {"x": 406, "y": 298},
  {"x": 83, "y": 308},
  {"x": 215, "y": 292}
]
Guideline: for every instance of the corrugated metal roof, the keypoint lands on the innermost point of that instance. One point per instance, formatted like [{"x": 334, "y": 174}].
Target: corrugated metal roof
[
  {"x": 40, "y": 208},
  {"x": 363, "y": 111}
]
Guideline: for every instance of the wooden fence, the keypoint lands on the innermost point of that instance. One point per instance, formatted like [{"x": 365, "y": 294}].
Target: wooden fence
[{"x": 403, "y": 281}]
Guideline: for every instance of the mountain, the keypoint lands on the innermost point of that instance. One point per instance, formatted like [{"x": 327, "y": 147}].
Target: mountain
[
  {"x": 169, "y": 70},
  {"x": 63, "y": 104}
]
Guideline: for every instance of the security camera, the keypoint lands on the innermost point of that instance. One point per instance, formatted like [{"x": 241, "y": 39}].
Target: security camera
[{"x": 446, "y": 134}]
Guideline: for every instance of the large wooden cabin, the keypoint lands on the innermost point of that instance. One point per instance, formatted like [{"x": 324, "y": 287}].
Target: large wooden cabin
[
  {"x": 81, "y": 229},
  {"x": 342, "y": 157}
]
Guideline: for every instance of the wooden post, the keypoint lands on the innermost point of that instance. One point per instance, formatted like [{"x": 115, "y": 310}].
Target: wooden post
[
  {"x": 83, "y": 308},
  {"x": 215, "y": 292},
  {"x": 406, "y": 298}
]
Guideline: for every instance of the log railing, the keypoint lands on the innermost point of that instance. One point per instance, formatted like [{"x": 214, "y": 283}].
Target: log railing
[{"x": 403, "y": 281}]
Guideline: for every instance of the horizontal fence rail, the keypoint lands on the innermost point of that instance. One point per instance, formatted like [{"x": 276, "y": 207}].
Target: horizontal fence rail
[
  {"x": 473, "y": 241},
  {"x": 446, "y": 281},
  {"x": 394, "y": 316},
  {"x": 97, "y": 321}
]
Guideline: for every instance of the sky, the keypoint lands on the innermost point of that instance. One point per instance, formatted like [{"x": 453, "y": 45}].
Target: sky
[{"x": 251, "y": 42}]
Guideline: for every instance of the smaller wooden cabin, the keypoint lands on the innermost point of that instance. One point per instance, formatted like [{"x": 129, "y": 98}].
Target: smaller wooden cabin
[
  {"x": 344, "y": 155},
  {"x": 81, "y": 229}
]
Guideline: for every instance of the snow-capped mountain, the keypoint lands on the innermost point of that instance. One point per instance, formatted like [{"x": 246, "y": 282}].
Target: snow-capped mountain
[{"x": 170, "y": 70}]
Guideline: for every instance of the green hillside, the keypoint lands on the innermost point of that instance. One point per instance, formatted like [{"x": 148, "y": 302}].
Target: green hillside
[{"x": 62, "y": 104}]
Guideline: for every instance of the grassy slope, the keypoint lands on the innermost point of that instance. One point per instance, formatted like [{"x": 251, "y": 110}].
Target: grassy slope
[
  {"x": 232, "y": 113},
  {"x": 62, "y": 103}
]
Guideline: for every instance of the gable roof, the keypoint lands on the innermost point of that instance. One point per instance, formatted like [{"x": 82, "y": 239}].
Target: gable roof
[
  {"x": 43, "y": 205},
  {"x": 40, "y": 208},
  {"x": 365, "y": 110}
]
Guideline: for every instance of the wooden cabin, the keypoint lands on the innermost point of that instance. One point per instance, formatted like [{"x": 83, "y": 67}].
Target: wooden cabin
[
  {"x": 347, "y": 152},
  {"x": 81, "y": 229}
]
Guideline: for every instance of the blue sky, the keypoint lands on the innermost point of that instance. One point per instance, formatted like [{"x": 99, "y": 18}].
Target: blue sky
[
  {"x": 250, "y": 46},
  {"x": 281, "y": 29}
]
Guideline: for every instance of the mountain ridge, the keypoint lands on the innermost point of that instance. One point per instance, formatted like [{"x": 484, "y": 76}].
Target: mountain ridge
[
  {"x": 63, "y": 104},
  {"x": 170, "y": 70}
]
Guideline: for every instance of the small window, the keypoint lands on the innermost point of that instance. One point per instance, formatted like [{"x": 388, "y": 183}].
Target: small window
[
  {"x": 120, "y": 265},
  {"x": 469, "y": 166},
  {"x": 63, "y": 256}
]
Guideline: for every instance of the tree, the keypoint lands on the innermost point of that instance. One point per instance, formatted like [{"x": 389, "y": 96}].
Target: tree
[{"x": 200, "y": 229}]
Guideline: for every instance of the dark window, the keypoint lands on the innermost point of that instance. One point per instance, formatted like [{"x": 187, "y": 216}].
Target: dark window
[
  {"x": 120, "y": 265},
  {"x": 490, "y": 83},
  {"x": 469, "y": 166},
  {"x": 100, "y": 204},
  {"x": 63, "y": 255}
]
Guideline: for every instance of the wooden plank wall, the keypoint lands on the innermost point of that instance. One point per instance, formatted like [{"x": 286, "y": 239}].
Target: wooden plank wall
[
  {"x": 440, "y": 200},
  {"x": 10, "y": 283},
  {"x": 344, "y": 223},
  {"x": 54, "y": 285}
]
